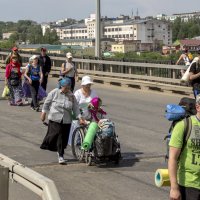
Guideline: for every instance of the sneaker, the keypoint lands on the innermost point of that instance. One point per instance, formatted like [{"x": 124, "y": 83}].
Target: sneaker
[
  {"x": 32, "y": 108},
  {"x": 37, "y": 109},
  {"x": 61, "y": 160}
]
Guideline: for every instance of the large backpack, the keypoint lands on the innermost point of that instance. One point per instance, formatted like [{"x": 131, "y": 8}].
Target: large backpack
[{"x": 176, "y": 113}]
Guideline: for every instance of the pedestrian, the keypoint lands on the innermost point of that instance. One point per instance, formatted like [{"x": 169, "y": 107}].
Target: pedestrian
[
  {"x": 187, "y": 60},
  {"x": 13, "y": 81},
  {"x": 194, "y": 76},
  {"x": 16, "y": 53},
  {"x": 184, "y": 160},
  {"x": 60, "y": 103},
  {"x": 45, "y": 63},
  {"x": 34, "y": 76},
  {"x": 68, "y": 69}
]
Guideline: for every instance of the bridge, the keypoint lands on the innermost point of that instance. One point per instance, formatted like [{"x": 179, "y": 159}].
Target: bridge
[{"x": 140, "y": 124}]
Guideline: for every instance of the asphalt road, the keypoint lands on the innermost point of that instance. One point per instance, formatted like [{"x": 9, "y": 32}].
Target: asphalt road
[{"x": 141, "y": 126}]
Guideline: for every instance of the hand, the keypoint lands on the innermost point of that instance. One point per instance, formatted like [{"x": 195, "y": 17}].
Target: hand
[
  {"x": 82, "y": 121},
  {"x": 30, "y": 81},
  {"x": 43, "y": 116},
  {"x": 175, "y": 194},
  {"x": 77, "y": 78},
  {"x": 41, "y": 81}
]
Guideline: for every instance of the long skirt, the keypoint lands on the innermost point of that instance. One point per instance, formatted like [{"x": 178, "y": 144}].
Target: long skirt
[
  {"x": 56, "y": 138},
  {"x": 16, "y": 93}
]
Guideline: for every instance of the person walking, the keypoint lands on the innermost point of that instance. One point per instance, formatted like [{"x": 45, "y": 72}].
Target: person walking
[
  {"x": 184, "y": 160},
  {"x": 45, "y": 63},
  {"x": 194, "y": 75},
  {"x": 60, "y": 103},
  {"x": 13, "y": 53},
  {"x": 13, "y": 81},
  {"x": 68, "y": 69},
  {"x": 34, "y": 76}
]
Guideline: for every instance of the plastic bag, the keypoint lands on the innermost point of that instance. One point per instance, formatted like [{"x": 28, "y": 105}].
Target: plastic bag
[
  {"x": 174, "y": 112},
  {"x": 6, "y": 92}
]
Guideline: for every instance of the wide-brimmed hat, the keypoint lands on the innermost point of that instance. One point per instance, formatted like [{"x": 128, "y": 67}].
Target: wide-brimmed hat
[{"x": 86, "y": 80}]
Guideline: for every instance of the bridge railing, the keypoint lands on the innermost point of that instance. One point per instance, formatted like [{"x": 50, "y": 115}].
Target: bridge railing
[
  {"x": 30, "y": 179},
  {"x": 162, "y": 77}
]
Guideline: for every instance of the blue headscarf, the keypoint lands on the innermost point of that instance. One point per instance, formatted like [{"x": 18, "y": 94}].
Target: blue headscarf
[{"x": 64, "y": 82}]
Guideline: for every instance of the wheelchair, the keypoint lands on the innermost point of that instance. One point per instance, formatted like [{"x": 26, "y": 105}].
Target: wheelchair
[{"x": 93, "y": 155}]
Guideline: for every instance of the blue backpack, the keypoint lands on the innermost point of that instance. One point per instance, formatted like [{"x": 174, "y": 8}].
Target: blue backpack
[{"x": 176, "y": 113}]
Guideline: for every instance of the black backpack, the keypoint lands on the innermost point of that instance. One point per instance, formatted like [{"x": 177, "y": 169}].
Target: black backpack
[{"x": 189, "y": 105}]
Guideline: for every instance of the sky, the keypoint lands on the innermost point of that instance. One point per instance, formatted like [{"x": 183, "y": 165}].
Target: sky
[{"x": 52, "y": 10}]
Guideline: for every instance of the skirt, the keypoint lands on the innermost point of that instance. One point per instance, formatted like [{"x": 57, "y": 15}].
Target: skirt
[{"x": 56, "y": 138}]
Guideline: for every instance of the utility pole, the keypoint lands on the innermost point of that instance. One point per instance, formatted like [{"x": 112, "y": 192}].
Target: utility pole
[{"x": 97, "y": 29}]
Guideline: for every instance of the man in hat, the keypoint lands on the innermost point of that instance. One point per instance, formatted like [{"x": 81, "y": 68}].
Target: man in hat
[
  {"x": 195, "y": 75},
  {"x": 45, "y": 63},
  {"x": 13, "y": 53}
]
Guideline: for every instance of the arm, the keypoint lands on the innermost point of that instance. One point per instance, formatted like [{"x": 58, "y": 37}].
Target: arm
[
  {"x": 65, "y": 70},
  {"x": 26, "y": 75},
  {"x": 192, "y": 73},
  {"x": 7, "y": 60},
  {"x": 180, "y": 58},
  {"x": 48, "y": 102},
  {"x": 172, "y": 167},
  {"x": 41, "y": 75}
]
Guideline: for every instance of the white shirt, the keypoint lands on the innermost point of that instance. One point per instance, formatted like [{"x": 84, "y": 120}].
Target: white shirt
[{"x": 83, "y": 101}]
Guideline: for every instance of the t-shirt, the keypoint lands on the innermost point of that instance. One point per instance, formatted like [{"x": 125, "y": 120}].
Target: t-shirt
[
  {"x": 195, "y": 68},
  {"x": 83, "y": 101},
  {"x": 71, "y": 73},
  {"x": 189, "y": 161},
  {"x": 34, "y": 72}
]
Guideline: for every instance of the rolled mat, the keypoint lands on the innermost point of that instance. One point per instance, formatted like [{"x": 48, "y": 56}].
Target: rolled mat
[
  {"x": 162, "y": 178},
  {"x": 89, "y": 138}
]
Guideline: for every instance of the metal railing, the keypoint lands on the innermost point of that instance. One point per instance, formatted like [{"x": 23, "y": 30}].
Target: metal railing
[{"x": 37, "y": 183}]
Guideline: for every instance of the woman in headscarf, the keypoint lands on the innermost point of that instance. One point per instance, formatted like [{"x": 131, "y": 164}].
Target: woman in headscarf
[
  {"x": 13, "y": 80},
  {"x": 60, "y": 103}
]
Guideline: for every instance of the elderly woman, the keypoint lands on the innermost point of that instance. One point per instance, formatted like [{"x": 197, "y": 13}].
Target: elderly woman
[
  {"x": 68, "y": 69},
  {"x": 34, "y": 76},
  {"x": 83, "y": 96},
  {"x": 60, "y": 103},
  {"x": 13, "y": 80}
]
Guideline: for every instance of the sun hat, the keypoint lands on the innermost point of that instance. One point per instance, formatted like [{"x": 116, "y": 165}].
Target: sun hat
[
  {"x": 65, "y": 82},
  {"x": 86, "y": 80},
  {"x": 69, "y": 55}
]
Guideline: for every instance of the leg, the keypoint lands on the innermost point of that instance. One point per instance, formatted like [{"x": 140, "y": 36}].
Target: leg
[
  {"x": 34, "y": 91},
  {"x": 44, "y": 82}
]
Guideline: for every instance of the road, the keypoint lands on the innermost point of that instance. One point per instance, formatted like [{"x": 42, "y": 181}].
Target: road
[{"x": 141, "y": 126}]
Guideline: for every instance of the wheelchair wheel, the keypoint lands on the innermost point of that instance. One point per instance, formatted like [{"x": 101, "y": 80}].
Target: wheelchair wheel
[{"x": 77, "y": 140}]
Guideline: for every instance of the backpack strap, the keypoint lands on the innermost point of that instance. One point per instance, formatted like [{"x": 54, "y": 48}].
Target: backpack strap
[{"x": 187, "y": 131}]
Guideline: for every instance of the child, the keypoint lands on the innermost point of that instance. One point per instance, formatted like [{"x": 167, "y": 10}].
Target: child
[{"x": 95, "y": 109}]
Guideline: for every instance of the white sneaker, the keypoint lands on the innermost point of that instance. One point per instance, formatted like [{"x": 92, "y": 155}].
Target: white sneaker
[{"x": 61, "y": 160}]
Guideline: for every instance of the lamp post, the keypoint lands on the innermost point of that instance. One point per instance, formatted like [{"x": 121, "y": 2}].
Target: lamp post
[{"x": 97, "y": 29}]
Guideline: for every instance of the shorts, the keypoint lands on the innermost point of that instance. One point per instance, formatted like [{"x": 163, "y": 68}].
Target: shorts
[{"x": 188, "y": 193}]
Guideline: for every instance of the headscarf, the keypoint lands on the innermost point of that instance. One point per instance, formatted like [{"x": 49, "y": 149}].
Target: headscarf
[{"x": 64, "y": 82}]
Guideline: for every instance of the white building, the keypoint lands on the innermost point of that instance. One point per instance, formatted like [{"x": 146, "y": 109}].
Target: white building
[
  {"x": 145, "y": 30},
  {"x": 6, "y": 35},
  {"x": 184, "y": 16}
]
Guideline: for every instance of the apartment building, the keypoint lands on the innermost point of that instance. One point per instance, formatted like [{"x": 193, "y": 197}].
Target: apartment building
[{"x": 147, "y": 31}]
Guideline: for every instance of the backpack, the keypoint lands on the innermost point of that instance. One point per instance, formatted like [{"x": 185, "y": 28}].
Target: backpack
[{"x": 176, "y": 113}]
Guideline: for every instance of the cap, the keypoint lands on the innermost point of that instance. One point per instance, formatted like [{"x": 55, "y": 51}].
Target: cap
[
  {"x": 198, "y": 99},
  {"x": 86, "y": 80},
  {"x": 69, "y": 55},
  {"x": 43, "y": 49},
  {"x": 96, "y": 102},
  {"x": 14, "y": 48}
]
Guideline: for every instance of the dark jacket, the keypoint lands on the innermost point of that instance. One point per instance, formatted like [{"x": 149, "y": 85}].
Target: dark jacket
[{"x": 46, "y": 66}]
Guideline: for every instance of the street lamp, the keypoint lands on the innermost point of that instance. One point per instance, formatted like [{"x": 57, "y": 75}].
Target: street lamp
[{"x": 97, "y": 29}]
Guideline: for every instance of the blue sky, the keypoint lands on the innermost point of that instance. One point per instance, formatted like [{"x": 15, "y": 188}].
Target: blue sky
[{"x": 51, "y": 10}]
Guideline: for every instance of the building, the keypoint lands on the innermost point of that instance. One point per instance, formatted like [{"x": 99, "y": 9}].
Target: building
[
  {"x": 44, "y": 27},
  {"x": 6, "y": 36},
  {"x": 145, "y": 30},
  {"x": 184, "y": 16}
]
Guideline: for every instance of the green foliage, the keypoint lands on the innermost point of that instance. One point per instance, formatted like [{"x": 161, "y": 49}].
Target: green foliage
[
  {"x": 182, "y": 30},
  {"x": 26, "y": 31}
]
